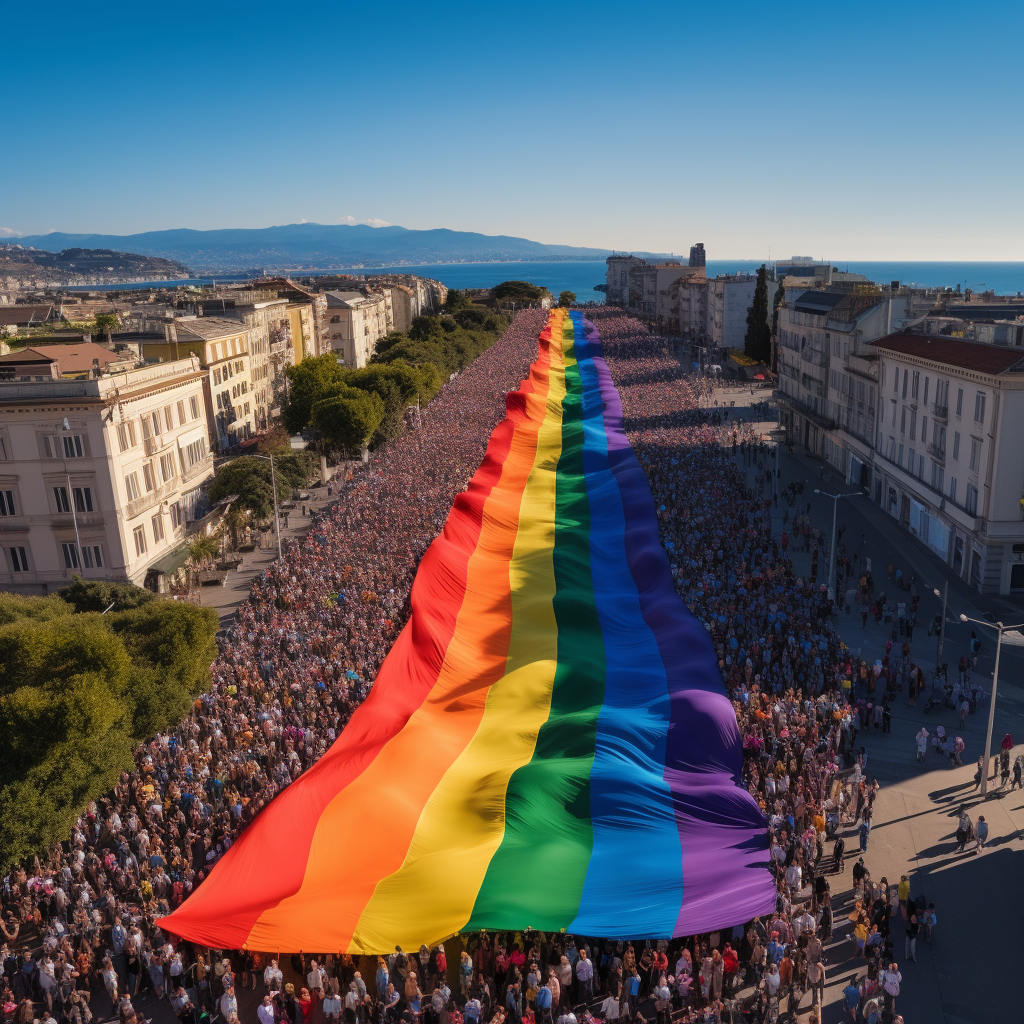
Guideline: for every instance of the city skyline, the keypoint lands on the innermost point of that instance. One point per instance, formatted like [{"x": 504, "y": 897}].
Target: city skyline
[{"x": 573, "y": 127}]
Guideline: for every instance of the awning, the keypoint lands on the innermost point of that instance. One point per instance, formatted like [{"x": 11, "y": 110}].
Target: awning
[
  {"x": 169, "y": 563},
  {"x": 191, "y": 436}
]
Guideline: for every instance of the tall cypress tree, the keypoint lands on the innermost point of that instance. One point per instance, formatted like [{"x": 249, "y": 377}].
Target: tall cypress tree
[{"x": 758, "y": 342}]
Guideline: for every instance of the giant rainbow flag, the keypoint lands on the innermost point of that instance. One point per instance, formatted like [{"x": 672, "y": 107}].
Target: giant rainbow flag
[{"x": 548, "y": 745}]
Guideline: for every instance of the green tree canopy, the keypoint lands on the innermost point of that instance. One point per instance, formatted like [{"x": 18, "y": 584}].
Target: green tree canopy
[
  {"x": 348, "y": 417},
  {"x": 249, "y": 479},
  {"x": 518, "y": 291},
  {"x": 306, "y": 383},
  {"x": 566, "y": 298},
  {"x": 79, "y": 691},
  {"x": 758, "y": 341}
]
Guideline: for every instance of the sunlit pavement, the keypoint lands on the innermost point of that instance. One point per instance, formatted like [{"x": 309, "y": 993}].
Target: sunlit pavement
[{"x": 969, "y": 972}]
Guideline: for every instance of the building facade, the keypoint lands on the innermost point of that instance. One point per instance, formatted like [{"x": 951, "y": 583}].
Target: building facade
[
  {"x": 353, "y": 324},
  {"x": 99, "y": 476},
  {"x": 949, "y": 464}
]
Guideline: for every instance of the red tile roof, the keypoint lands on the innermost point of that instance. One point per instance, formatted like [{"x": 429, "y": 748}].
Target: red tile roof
[{"x": 970, "y": 355}]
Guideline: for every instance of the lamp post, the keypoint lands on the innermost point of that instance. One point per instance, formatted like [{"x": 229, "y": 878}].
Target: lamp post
[
  {"x": 942, "y": 625},
  {"x": 1000, "y": 630},
  {"x": 273, "y": 487},
  {"x": 832, "y": 558}
]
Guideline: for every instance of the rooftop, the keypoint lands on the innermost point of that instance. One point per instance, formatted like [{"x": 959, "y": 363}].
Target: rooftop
[
  {"x": 17, "y": 316},
  {"x": 209, "y": 328},
  {"x": 968, "y": 355},
  {"x": 69, "y": 358}
]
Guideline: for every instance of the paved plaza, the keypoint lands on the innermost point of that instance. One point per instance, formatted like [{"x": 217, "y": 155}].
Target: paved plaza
[{"x": 959, "y": 978}]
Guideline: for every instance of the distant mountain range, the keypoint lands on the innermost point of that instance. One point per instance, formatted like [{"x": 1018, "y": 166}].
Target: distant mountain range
[
  {"x": 78, "y": 264},
  {"x": 319, "y": 247}
]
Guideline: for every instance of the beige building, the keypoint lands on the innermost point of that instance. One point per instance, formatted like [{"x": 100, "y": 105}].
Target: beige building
[
  {"x": 237, "y": 405},
  {"x": 354, "y": 323},
  {"x": 98, "y": 476},
  {"x": 949, "y": 464}
]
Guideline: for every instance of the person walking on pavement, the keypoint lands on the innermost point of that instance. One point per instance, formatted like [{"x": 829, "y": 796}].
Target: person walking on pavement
[
  {"x": 964, "y": 830},
  {"x": 922, "y": 743},
  {"x": 890, "y": 981},
  {"x": 913, "y": 928},
  {"x": 981, "y": 832}
]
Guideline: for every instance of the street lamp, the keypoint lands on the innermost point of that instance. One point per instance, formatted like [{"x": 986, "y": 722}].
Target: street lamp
[
  {"x": 1000, "y": 630},
  {"x": 273, "y": 487},
  {"x": 942, "y": 625},
  {"x": 832, "y": 559}
]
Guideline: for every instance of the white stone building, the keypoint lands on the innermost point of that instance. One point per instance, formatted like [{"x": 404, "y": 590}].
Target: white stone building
[
  {"x": 949, "y": 463},
  {"x": 353, "y": 323},
  {"x": 99, "y": 476}
]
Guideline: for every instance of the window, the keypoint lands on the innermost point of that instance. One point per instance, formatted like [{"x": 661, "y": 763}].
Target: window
[
  {"x": 168, "y": 417},
  {"x": 979, "y": 407},
  {"x": 952, "y": 488},
  {"x": 913, "y": 425},
  {"x": 903, "y": 421},
  {"x": 916, "y": 385},
  {"x": 956, "y": 445},
  {"x": 924, "y": 400},
  {"x": 73, "y": 447},
  {"x": 4, "y": 450},
  {"x": 168, "y": 469},
  {"x": 147, "y": 474},
  {"x": 940, "y": 439},
  {"x": 7, "y": 503},
  {"x": 147, "y": 433},
  {"x": 971, "y": 501},
  {"x": 158, "y": 528},
  {"x": 194, "y": 404},
  {"x": 70, "y": 555},
  {"x": 911, "y": 460},
  {"x": 177, "y": 516},
  {"x": 924, "y": 429},
  {"x": 216, "y": 376},
  {"x": 959, "y": 400},
  {"x": 937, "y": 477},
  {"x": 195, "y": 452},
  {"x": 60, "y": 499},
  {"x": 140, "y": 540},
  {"x": 975, "y": 453},
  {"x": 122, "y": 437},
  {"x": 92, "y": 556},
  {"x": 181, "y": 412},
  {"x": 906, "y": 378},
  {"x": 131, "y": 486},
  {"x": 156, "y": 424},
  {"x": 901, "y": 455},
  {"x": 19, "y": 559},
  {"x": 83, "y": 499}
]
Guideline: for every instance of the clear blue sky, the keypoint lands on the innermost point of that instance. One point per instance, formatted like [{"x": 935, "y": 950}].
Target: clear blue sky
[{"x": 845, "y": 131}]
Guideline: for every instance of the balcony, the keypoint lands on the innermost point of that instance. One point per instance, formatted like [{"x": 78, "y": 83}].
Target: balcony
[
  {"x": 139, "y": 505},
  {"x": 198, "y": 469},
  {"x": 940, "y": 413},
  {"x": 152, "y": 445},
  {"x": 937, "y": 453}
]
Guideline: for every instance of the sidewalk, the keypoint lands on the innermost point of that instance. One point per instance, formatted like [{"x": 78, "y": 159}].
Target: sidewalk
[
  {"x": 915, "y": 811},
  {"x": 226, "y": 599}
]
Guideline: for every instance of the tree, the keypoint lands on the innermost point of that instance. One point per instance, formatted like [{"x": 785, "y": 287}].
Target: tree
[
  {"x": 105, "y": 321},
  {"x": 249, "y": 479},
  {"x": 79, "y": 691},
  {"x": 348, "y": 417},
  {"x": 517, "y": 291},
  {"x": 758, "y": 342},
  {"x": 306, "y": 383},
  {"x": 566, "y": 298},
  {"x": 457, "y": 300}
]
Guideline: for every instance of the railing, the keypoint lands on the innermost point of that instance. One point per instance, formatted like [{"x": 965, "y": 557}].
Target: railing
[
  {"x": 937, "y": 453},
  {"x": 205, "y": 463},
  {"x": 152, "y": 445},
  {"x": 940, "y": 412},
  {"x": 140, "y": 505}
]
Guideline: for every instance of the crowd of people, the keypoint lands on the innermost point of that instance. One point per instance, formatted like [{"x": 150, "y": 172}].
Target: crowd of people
[{"x": 79, "y": 928}]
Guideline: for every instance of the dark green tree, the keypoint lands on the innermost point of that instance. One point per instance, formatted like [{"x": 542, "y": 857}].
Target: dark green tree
[
  {"x": 758, "y": 342},
  {"x": 306, "y": 382},
  {"x": 347, "y": 418},
  {"x": 566, "y": 298},
  {"x": 518, "y": 291},
  {"x": 249, "y": 479},
  {"x": 78, "y": 692}
]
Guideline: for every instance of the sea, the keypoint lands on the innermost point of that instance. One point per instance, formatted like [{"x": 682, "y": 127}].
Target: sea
[{"x": 581, "y": 276}]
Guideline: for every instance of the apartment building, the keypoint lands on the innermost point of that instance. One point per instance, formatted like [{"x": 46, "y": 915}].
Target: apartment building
[
  {"x": 353, "y": 323},
  {"x": 827, "y": 378},
  {"x": 98, "y": 476},
  {"x": 949, "y": 463},
  {"x": 237, "y": 406}
]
